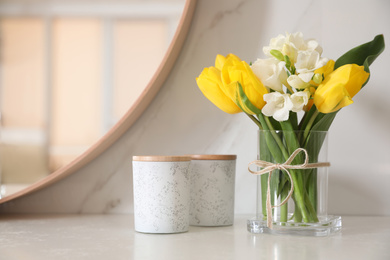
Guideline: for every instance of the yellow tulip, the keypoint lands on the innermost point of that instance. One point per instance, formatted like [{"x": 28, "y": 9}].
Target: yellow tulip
[
  {"x": 220, "y": 61},
  {"x": 235, "y": 71},
  {"x": 327, "y": 69},
  {"x": 339, "y": 87},
  {"x": 209, "y": 82},
  {"x": 324, "y": 71}
]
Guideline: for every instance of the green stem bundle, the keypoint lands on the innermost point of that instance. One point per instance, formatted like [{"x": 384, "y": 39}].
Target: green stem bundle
[{"x": 278, "y": 147}]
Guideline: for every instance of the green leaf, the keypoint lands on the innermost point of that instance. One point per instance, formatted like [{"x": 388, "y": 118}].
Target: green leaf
[
  {"x": 275, "y": 124},
  {"x": 364, "y": 54},
  {"x": 323, "y": 121},
  {"x": 238, "y": 103},
  {"x": 265, "y": 155},
  {"x": 294, "y": 120},
  {"x": 271, "y": 138},
  {"x": 241, "y": 96},
  {"x": 306, "y": 118},
  {"x": 291, "y": 140}
]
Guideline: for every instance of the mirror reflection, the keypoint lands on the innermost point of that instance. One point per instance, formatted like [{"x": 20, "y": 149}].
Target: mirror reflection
[{"x": 68, "y": 71}]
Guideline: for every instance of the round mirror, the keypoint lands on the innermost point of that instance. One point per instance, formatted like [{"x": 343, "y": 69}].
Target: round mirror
[{"x": 69, "y": 72}]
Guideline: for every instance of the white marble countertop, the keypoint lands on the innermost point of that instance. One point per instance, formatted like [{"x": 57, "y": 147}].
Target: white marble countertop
[{"x": 113, "y": 237}]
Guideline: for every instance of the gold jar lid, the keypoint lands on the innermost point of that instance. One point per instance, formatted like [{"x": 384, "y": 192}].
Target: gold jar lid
[
  {"x": 213, "y": 156},
  {"x": 161, "y": 158}
]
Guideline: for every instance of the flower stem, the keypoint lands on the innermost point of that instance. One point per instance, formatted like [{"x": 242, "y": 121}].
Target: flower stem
[
  {"x": 297, "y": 214},
  {"x": 311, "y": 209},
  {"x": 284, "y": 208},
  {"x": 290, "y": 89},
  {"x": 309, "y": 125},
  {"x": 278, "y": 154},
  {"x": 311, "y": 187},
  {"x": 277, "y": 139},
  {"x": 255, "y": 121}
]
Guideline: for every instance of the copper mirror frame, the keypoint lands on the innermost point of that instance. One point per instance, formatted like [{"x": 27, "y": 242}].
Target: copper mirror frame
[{"x": 131, "y": 115}]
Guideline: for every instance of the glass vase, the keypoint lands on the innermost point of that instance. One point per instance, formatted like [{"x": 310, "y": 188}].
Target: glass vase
[{"x": 296, "y": 192}]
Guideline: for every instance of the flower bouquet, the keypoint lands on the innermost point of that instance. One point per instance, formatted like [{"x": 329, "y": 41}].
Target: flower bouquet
[{"x": 293, "y": 97}]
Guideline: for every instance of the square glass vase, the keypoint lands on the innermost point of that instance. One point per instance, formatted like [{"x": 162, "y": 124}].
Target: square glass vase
[{"x": 297, "y": 198}]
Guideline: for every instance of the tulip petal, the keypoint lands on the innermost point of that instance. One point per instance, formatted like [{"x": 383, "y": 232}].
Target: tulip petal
[
  {"x": 332, "y": 98},
  {"x": 219, "y": 61},
  {"x": 327, "y": 69},
  {"x": 235, "y": 70},
  {"x": 209, "y": 82}
]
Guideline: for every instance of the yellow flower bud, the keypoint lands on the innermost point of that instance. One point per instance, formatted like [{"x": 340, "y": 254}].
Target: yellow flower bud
[
  {"x": 317, "y": 78},
  {"x": 339, "y": 87}
]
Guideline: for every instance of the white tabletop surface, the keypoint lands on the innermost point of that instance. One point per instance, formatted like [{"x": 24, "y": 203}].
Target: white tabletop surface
[{"x": 113, "y": 237}]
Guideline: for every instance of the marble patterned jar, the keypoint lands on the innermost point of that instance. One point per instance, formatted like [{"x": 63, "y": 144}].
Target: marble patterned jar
[
  {"x": 212, "y": 190},
  {"x": 161, "y": 193}
]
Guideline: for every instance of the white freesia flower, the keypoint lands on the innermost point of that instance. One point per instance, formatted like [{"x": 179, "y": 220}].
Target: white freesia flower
[
  {"x": 291, "y": 45},
  {"x": 288, "y": 45},
  {"x": 313, "y": 45},
  {"x": 270, "y": 72},
  {"x": 299, "y": 100},
  {"x": 296, "y": 82},
  {"x": 278, "y": 106},
  {"x": 307, "y": 63}
]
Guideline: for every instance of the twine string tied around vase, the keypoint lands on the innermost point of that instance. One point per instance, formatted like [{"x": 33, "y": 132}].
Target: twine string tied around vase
[{"x": 269, "y": 167}]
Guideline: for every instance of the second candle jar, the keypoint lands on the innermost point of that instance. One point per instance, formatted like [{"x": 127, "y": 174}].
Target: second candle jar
[{"x": 212, "y": 179}]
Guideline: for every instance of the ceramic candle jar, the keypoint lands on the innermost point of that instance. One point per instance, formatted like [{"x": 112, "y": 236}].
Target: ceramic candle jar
[
  {"x": 161, "y": 193},
  {"x": 212, "y": 190}
]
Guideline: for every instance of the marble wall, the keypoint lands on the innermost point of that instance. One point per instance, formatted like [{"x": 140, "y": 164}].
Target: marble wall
[{"x": 181, "y": 120}]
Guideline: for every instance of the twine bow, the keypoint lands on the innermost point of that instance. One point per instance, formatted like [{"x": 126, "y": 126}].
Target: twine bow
[{"x": 270, "y": 167}]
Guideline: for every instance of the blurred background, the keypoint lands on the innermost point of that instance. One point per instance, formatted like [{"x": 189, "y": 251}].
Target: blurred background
[
  {"x": 180, "y": 120},
  {"x": 68, "y": 71}
]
